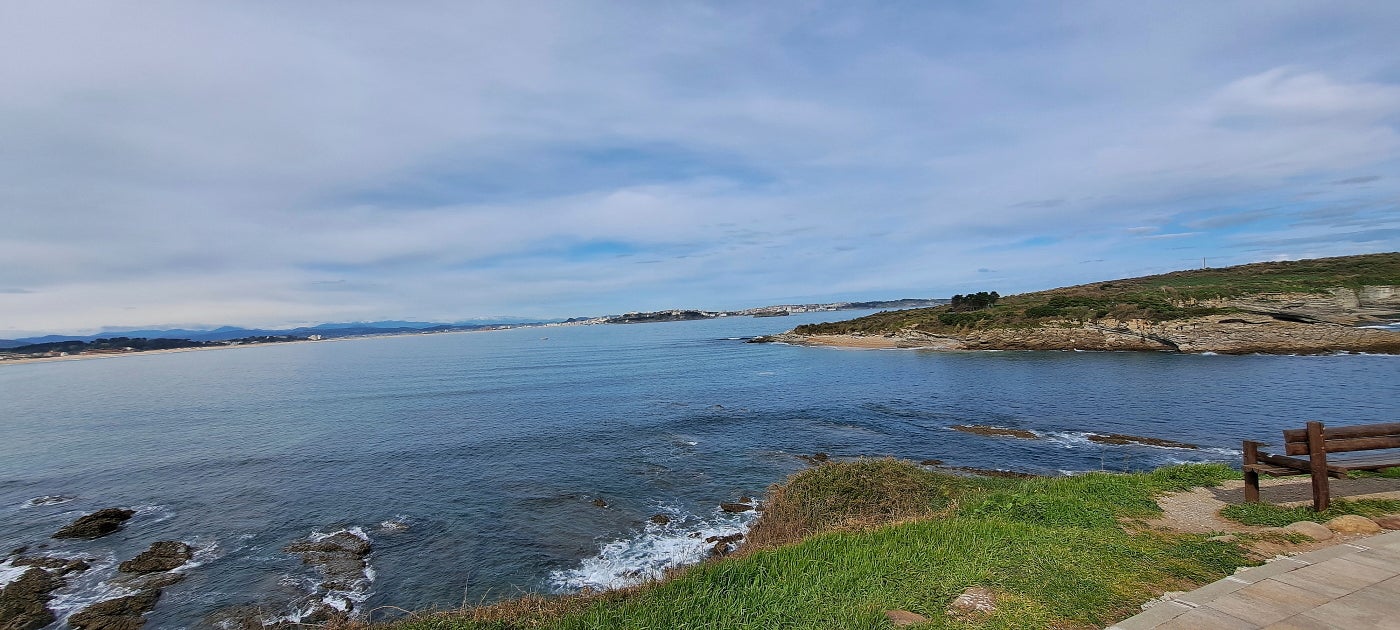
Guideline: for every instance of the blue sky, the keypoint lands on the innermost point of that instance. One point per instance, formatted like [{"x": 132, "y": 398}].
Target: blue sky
[{"x": 269, "y": 164}]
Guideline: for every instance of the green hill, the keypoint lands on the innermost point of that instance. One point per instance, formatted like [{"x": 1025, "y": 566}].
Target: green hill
[{"x": 1160, "y": 298}]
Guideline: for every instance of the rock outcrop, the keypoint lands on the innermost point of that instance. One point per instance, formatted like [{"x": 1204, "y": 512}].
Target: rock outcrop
[
  {"x": 164, "y": 555},
  {"x": 1220, "y": 334},
  {"x": 24, "y": 602},
  {"x": 122, "y": 613},
  {"x": 97, "y": 524},
  {"x": 340, "y": 557}
]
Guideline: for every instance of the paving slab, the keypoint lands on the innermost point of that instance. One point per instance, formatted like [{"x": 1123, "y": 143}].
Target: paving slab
[{"x": 1349, "y": 586}]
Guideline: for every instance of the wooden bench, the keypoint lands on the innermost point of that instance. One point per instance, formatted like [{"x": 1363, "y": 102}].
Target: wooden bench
[{"x": 1317, "y": 442}]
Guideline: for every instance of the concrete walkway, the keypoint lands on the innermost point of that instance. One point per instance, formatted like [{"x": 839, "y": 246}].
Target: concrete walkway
[{"x": 1348, "y": 586}]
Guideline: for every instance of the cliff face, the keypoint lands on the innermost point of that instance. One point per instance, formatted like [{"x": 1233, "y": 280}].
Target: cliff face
[{"x": 1264, "y": 323}]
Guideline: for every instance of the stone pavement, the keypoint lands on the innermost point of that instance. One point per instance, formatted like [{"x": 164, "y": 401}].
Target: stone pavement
[{"x": 1348, "y": 586}]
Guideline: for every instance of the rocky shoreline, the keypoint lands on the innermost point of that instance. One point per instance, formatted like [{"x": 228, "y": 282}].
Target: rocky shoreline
[{"x": 1221, "y": 334}]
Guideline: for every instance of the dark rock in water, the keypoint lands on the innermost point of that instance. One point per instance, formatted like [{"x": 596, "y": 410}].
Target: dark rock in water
[
  {"x": 720, "y": 549},
  {"x": 122, "y": 613},
  {"x": 340, "y": 542},
  {"x": 660, "y": 519},
  {"x": 60, "y": 566},
  {"x": 931, "y": 462},
  {"x": 725, "y": 539},
  {"x": 1120, "y": 438},
  {"x": 24, "y": 602},
  {"x": 162, "y": 556},
  {"x": 735, "y": 508},
  {"x": 988, "y": 472},
  {"x": 97, "y": 524},
  {"x": 340, "y": 557},
  {"x": 979, "y": 429},
  {"x": 323, "y": 614},
  {"x": 19, "y": 550},
  {"x": 600, "y": 503},
  {"x": 240, "y": 617},
  {"x": 815, "y": 459}
]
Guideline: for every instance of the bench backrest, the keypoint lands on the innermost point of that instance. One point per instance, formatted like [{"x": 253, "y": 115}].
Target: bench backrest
[{"x": 1364, "y": 437}]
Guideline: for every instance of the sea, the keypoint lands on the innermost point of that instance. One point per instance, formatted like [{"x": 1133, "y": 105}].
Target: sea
[{"x": 486, "y": 465}]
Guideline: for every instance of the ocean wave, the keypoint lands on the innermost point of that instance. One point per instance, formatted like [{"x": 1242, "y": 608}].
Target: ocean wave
[{"x": 650, "y": 553}]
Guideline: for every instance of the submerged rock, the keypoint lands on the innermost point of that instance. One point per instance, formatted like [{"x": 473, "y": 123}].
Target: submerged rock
[
  {"x": 97, "y": 524},
  {"x": 122, "y": 613},
  {"x": 600, "y": 503},
  {"x": 24, "y": 602},
  {"x": 1121, "y": 438},
  {"x": 340, "y": 557},
  {"x": 980, "y": 429},
  {"x": 736, "y": 508},
  {"x": 660, "y": 519},
  {"x": 59, "y": 566},
  {"x": 161, "y": 556}
]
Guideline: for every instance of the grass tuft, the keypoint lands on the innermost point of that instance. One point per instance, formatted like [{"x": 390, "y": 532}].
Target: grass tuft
[{"x": 1278, "y": 516}]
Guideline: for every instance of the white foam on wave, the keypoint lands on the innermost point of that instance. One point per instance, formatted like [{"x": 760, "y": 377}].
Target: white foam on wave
[
  {"x": 648, "y": 554},
  {"x": 86, "y": 588},
  {"x": 155, "y": 513},
  {"x": 9, "y": 572}
]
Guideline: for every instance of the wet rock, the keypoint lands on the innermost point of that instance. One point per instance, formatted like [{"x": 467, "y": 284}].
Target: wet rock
[
  {"x": 815, "y": 459},
  {"x": 122, "y": 613},
  {"x": 974, "y": 602},
  {"x": 1353, "y": 524},
  {"x": 736, "y": 508},
  {"x": 989, "y": 472},
  {"x": 600, "y": 503},
  {"x": 59, "y": 566},
  {"x": 340, "y": 542},
  {"x": 980, "y": 429},
  {"x": 660, "y": 519},
  {"x": 96, "y": 525},
  {"x": 24, "y": 602},
  {"x": 1390, "y": 521},
  {"x": 340, "y": 557},
  {"x": 240, "y": 617},
  {"x": 1315, "y": 531},
  {"x": 931, "y": 462},
  {"x": 19, "y": 550},
  {"x": 161, "y": 556},
  {"x": 1123, "y": 438},
  {"x": 725, "y": 539},
  {"x": 901, "y": 618}
]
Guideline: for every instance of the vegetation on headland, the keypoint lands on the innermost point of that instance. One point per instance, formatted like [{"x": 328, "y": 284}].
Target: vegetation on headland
[
  {"x": 841, "y": 543},
  {"x": 1277, "y": 515},
  {"x": 1166, "y": 297}
]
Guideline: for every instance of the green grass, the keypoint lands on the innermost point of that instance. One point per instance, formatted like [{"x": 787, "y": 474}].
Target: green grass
[
  {"x": 1164, "y": 297},
  {"x": 1053, "y": 548},
  {"x": 1278, "y": 516}
]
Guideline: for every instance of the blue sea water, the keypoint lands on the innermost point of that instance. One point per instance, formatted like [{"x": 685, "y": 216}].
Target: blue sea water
[{"x": 472, "y": 462}]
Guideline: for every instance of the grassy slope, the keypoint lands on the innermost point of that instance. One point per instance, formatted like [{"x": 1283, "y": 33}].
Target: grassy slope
[
  {"x": 1054, "y": 548},
  {"x": 1159, "y": 298}
]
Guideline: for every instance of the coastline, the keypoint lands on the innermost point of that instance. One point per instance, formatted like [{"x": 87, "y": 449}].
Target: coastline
[
  {"x": 1201, "y": 335},
  {"x": 80, "y": 357}
]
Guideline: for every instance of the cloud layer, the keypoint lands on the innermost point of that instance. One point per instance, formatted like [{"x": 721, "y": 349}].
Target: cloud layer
[{"x": 280, "y": 163}]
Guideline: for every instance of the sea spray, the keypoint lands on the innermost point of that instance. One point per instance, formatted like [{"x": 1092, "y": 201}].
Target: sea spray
[{"x": 650, "y": 553}]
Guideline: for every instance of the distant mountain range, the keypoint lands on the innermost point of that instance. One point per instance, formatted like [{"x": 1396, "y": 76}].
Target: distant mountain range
[
  {"x": 327, "y": 331},
  {"x": 389, "y": 327}
]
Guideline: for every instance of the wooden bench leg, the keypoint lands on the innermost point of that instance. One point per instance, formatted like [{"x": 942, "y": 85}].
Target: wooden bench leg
[
  {"x": 1251, "y": 477},
  {"x": 1317, "y": 458}
]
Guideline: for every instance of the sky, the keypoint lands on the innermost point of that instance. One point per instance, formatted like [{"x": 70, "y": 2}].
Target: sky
[{"x": 259, "y": 163}]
